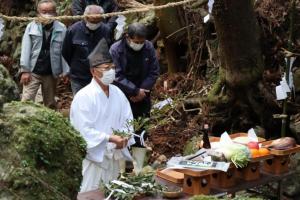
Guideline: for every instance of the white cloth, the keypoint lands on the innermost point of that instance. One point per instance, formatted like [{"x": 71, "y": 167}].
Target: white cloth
[
  {"x": 93, "y": 173},
  {"x": 95, "y": 116}
]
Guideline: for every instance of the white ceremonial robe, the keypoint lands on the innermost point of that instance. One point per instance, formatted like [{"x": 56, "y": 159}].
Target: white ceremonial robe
[{"x": 95, "y": 116}]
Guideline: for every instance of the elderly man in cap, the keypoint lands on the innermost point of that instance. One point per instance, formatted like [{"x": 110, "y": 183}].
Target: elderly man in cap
[{"x": 96, "y": 111}]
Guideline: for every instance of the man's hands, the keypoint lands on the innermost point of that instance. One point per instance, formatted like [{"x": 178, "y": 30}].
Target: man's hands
[
  {"x": 140, "y": 96},
  {"x": 119, "y": 141},
  {"x": 25, "y": 78}
]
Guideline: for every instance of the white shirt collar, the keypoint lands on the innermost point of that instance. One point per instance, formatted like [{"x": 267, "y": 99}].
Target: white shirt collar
[{"x": 99, "y": 88}]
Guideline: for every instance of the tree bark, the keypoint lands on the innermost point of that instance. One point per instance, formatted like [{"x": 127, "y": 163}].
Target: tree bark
[
  {"x": 239, "y": 99},
  {"x": 239, "y": 47},
  {"x": 169, "y": 22}
]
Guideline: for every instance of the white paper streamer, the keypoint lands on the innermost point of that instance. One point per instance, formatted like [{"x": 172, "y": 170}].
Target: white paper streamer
[
  {"x": 210, "y": 5},
  {"x": 122, "y": 184},
  {"x": 291, "y": 79},
  {"x": 206, "y": 18},
  {"x": 113, "y": 191},
  {"x": 280, "y": 93},
  {"x": 252, "y": 135},
  {"x": 1, "y": 27},
  {"x": 121, "y": 21},
  {"x": 142, "y": 141},
  {"x": 163, "y": 103},
  {"x": 284, "y": 85}
]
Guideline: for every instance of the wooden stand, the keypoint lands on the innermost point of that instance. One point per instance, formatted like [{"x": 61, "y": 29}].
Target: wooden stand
[
  {"x": 278, "y": 165},
  {"x": 224, "y": 179},
  {"x": 196, "y": 182},
  {"x": 171, "y": 176},
  {"x": 196, "y": 185},
  {"x": 253, "y": 170},
  {"x": 249, "y": 173}
]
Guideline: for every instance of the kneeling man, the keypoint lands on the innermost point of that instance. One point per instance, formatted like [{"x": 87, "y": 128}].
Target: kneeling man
[{"x": 96, "y": 111}]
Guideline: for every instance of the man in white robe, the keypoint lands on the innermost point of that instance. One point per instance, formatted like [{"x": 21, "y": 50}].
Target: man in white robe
[{"x": 97, "y": 110}]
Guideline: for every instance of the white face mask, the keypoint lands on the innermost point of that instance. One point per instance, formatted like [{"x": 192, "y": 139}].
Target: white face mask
[
  {"x": 46, "y": 19},
  {"x": 93, "y": 26},
  {"x": 135, "y": 46},
  {"x": 108, "y": 77},
  {"x": 47, "y": 15}
]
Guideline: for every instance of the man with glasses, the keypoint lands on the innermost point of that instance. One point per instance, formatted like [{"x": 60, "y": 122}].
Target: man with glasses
[
  {"x": 96, "y": 111},
  {"x": 137, "y": 69}
]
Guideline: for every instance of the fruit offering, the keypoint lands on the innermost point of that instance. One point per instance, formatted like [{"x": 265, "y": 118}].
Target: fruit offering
[{"x": 259, "y": 152}]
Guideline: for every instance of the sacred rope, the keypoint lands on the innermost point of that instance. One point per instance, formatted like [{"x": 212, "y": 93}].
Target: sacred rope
[{"x": 145, "y": 8}]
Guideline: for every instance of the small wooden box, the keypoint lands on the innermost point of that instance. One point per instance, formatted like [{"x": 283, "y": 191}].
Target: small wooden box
[
  {"x": 277, "y": 165},
  {"x": 280, "y": 163},
  {"x": 249, "y": 173},
  {"x": 196, "y": 185},
  {"x": 196, "y": 182},
  {"x": 252, "y": 171},
  {"x": 224, "y": 179}
]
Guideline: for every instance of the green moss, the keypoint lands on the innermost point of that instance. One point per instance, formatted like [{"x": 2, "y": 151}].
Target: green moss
[
  {"x": 42, "y": 152},
  {"x": 203, "y": 197},
  {"x": 8, "y": 88},
  {"x": 191, "y": 145}
]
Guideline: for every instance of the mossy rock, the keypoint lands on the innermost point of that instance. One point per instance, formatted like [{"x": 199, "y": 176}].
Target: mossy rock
[
  {"x": 41, "y": 153},
  {"x": 8, "y": 88}
]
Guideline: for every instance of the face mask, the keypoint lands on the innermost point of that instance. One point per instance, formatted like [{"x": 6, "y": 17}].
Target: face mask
[
  {"x": 108, "y": 77},
  {"x": 135, "y": 46},
  {"x": 93, "y": 26},
  {"x": 46, "y": 19}
]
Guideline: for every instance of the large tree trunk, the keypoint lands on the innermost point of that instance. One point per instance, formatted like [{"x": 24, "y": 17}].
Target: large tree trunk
[
  {"x": 237, "y": 30},
  {"x": 239, "y": 99},
  {"x": 169, "y": 22}
]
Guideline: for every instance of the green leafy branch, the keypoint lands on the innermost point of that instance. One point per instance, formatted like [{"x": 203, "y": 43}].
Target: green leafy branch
[{"x": 128, "y": 186}]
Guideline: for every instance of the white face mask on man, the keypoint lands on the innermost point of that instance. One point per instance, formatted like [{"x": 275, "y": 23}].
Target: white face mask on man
[
  {"x": 135, "y": 46},
  {"x": 93, "y": 26},
  {"x": 108, "y": 77},
  {"x": 46, "y": 18}
]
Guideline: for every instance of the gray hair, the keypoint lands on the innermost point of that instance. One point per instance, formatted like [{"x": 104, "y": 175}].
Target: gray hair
[
  {"x": 137, "y": 29},
  {"x": 46, "y": 1},
  {"x": 93, "y": 9}
]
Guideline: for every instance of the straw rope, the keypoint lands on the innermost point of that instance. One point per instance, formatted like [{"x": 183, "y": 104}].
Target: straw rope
[{"x": 145, "y": 8}]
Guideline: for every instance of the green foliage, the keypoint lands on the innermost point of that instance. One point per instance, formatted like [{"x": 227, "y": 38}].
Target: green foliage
[
  {"x": 191, "y": 145},
  {"x": 142, "y": 184},
  {"x": 63, "y": 7},
  {"x": 203, "y": 197},
  {"x": 42, "y": 152}
]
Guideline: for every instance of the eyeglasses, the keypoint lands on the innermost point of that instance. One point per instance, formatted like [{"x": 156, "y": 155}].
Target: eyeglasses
[{"x": 105, "y": 67}]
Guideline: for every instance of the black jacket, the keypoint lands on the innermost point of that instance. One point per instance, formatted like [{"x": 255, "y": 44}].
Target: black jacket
[{"x": 78, "y": 44}]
